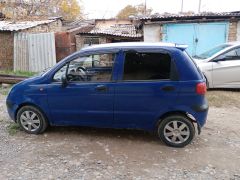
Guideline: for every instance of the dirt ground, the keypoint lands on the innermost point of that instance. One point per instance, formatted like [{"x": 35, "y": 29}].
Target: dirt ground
[{"x": 86, "y": 153}]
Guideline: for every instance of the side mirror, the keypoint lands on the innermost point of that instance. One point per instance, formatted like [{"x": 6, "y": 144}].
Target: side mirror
[
  {"x": 64, "y": 80},
  {"x": 218, "y": 59}
]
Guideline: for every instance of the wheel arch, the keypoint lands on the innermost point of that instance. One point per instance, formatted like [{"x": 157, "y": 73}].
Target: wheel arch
[
  {"x": 171, "y": 113},
  {"x": 30, "y": 104}
]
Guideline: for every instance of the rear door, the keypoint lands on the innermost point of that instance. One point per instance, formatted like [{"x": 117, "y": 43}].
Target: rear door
[
  {"x": 226, "y": 71},
  {"x": 148, "y": 86}
]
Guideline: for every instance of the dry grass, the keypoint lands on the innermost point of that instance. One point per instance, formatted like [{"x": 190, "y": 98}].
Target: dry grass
[{"x": 223, "y": 98}]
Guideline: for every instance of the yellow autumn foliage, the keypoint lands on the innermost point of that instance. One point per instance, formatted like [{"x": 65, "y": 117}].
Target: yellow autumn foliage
[{"x": 70, "y": 9}]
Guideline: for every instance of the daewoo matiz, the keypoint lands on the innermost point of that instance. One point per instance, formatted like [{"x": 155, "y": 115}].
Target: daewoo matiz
[{"x": 154, "y": 87}]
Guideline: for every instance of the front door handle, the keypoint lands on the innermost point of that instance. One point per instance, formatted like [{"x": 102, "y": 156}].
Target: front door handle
[
  {"x": 168, "y": 88},
  {"x": 101, "y": 88}
]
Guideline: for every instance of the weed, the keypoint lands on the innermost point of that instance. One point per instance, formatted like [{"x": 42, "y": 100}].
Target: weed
[
  {"x": 13, "y": 128},
  {"x": 18, "y": 73}
]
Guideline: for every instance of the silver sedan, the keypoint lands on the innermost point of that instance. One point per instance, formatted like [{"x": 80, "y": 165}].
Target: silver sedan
[{"x": 221, "y": 65}]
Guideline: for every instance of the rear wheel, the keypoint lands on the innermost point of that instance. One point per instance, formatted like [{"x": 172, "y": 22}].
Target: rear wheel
[
  {"x": 176, "y": 131},
  {"x": 31, "y": 120}
]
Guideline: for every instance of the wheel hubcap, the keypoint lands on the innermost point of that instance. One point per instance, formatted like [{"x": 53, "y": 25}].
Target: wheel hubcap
[
  {"x": 176, "y": 132},
  {"x": 30, "y": 121}
]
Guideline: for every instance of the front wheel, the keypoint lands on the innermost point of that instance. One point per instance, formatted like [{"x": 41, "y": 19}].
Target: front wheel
[
  {"x": 31, "y": 120},
  {"x": 176, "y": 131}
]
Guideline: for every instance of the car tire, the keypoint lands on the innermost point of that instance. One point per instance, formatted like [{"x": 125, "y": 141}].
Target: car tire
[
  {"x": 31, "y": 120},
  {"x": 176, "y": 131}
]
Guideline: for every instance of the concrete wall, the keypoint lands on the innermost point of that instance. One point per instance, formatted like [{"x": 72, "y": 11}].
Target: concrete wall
[
  {"x": 152, "y": 33},
  {"x": 105, "y": 23}
]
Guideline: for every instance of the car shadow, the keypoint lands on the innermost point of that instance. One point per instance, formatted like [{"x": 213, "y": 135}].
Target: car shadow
[
  {"x": 124, "y": 134},
  {"x": 225, "y": 89}
]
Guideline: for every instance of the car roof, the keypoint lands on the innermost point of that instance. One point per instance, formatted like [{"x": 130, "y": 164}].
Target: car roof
[
  {"x": 233, "y": 43},
  {"x": 133, "y": 45}
]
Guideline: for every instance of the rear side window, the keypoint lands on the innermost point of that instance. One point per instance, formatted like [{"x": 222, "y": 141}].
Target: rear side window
[{"x": 147, "y": 66}]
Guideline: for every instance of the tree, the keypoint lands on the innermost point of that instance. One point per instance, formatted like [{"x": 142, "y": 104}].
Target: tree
[
  {"x": 70, "y": 9},
  {"x": 25, "y": 9},
  {"x": 130, "y": 10}
]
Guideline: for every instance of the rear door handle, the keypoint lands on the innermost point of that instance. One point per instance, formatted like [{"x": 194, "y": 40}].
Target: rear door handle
[
  {"x": 101, "y": 88},
  {"x": 168, "y": 88}
]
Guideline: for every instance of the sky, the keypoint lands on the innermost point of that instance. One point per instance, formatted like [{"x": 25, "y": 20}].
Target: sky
[{"x": 109, "y": 8}]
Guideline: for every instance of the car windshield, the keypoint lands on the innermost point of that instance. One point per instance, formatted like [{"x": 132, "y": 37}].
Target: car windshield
[{"x": 211, "y": 52}]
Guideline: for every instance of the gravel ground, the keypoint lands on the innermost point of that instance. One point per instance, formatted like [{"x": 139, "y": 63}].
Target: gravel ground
[{"x": 87, "y": 153}]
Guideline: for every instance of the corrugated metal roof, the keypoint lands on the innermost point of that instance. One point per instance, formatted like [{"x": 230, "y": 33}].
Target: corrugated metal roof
[
  {"x": 209, "y": 15},
  {"x": 77, "y": 24},
  {"x": 21, "y": 25},
  {"x": 121, "y": 30}
]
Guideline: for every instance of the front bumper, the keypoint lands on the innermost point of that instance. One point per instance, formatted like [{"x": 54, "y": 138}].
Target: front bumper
[{"x": 11, "y": 108}]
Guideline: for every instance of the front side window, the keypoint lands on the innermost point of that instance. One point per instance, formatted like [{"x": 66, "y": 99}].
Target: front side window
[
  {"x": 231, "y": 55},
  {"x": 212, "y": 51},
  {"x": 92, "y": 68},
  {"x": 58, "y": 75},
  {"x": 147, "y": 66}
]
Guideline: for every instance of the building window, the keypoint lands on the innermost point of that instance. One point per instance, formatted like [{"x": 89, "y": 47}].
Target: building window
[{"x": 90, "y": 41}]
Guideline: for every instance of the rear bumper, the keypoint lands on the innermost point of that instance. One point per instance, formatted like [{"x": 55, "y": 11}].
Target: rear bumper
[
  {"x": 201, "y": 113},
  {"x": 201, "y": 108}
]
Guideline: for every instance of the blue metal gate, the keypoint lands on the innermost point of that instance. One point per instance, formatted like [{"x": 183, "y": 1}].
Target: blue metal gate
[{"x": 198, "y": 36}]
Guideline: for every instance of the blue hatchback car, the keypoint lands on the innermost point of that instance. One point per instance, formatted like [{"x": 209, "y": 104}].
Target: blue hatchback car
[{"x": 154, "y": 87}]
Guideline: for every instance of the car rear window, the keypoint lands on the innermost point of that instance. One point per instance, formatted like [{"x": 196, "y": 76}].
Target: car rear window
[{"x": 147, "y": 66}]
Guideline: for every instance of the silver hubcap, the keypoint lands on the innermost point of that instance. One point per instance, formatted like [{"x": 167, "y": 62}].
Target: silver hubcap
[
  {"x": 30, "y": 121},
  {"x": 176, "y": 132}
]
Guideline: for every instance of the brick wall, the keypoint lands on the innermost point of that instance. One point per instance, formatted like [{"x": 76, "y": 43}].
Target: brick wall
[
  {"x": 79, "y": 42},
  {"x": 55, "y": 26},
  {"x": 232, "y": 32},
  {"x": 6, "y": 50}
]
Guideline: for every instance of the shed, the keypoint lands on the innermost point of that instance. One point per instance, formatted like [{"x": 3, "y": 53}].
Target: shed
[
  {"x": 108, "y": 31},
  {"x": 10, "y": 29},
  {"x": 66, "y": 40},
  {"x": 199, "y": 31}
]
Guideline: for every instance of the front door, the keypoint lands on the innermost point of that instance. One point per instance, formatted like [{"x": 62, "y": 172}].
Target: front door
[
  {"x": 226, "y": 71},
  {"x": 88, "y": 96}
]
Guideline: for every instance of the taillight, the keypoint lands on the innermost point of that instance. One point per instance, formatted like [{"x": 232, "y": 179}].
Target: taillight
[{"x": 201, "y": 88}]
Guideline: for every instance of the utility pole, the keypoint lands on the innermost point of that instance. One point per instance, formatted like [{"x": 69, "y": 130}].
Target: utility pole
[
  {"x": 145, "y": 8},
  {"x": 182, "y": 7},
  {"x": 199, "y": 6}
]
